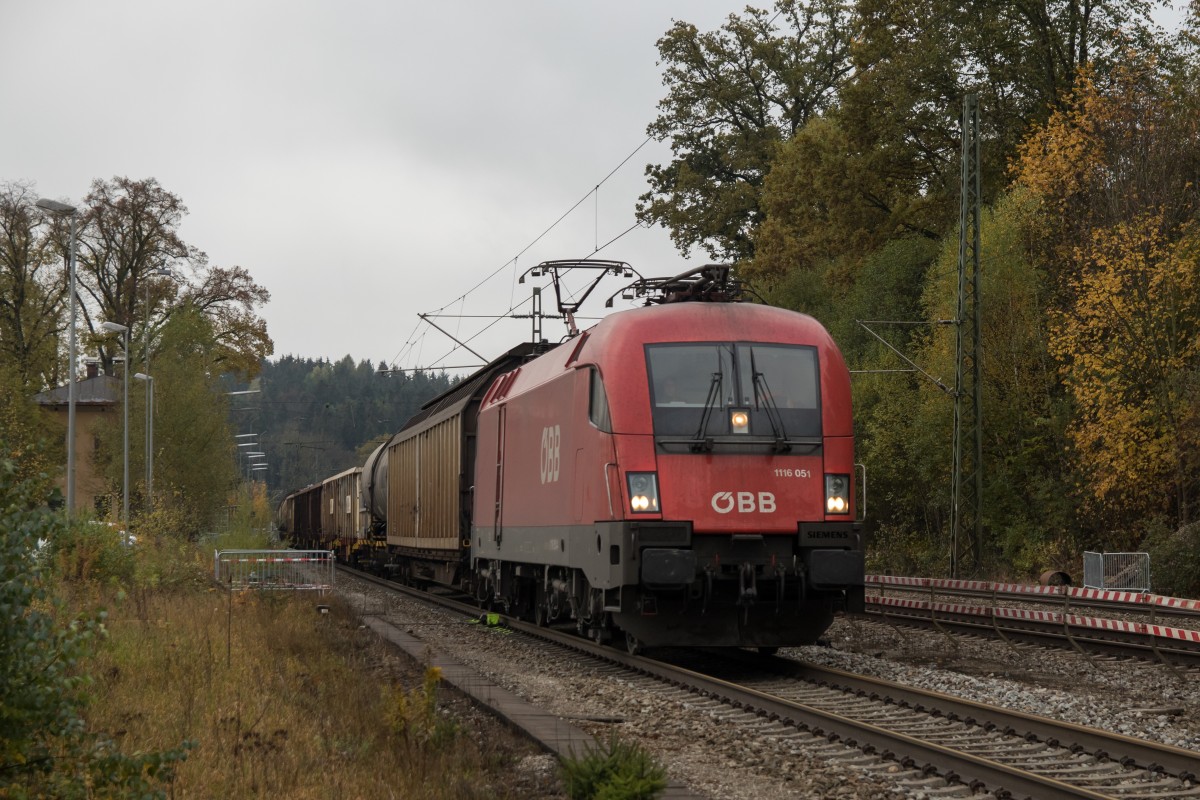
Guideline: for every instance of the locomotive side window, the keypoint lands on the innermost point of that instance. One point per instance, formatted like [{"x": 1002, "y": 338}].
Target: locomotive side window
[
  {"x": 598, "y": 403},
  {"x": 777, "y": 384}
]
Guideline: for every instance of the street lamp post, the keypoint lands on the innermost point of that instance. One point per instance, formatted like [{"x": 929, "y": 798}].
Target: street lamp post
[
  {"x": 149, "y": 379},
  {"x": 113, "y": 327},
  {"x": 56, "y": 207}
]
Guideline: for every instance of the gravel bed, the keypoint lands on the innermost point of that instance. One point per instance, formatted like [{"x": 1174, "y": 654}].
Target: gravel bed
[{"x": 715, "y": 757}]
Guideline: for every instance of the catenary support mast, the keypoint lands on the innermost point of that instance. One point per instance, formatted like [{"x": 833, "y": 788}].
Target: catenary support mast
[{"x": 966, "y": 521}]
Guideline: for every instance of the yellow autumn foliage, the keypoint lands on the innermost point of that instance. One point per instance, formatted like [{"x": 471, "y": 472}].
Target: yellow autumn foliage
[
  {"x": 1126, "y": 248},
  {"x": 1128, "y": 335}
]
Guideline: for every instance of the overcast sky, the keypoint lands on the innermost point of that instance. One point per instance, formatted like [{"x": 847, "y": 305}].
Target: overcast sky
[{"x": 365, "y": 161}]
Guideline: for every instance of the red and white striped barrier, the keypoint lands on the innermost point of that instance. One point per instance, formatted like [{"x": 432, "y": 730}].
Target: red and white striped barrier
[
  {"x": 1101, "y": 595},
  {"x": 1044, "y": 617}
]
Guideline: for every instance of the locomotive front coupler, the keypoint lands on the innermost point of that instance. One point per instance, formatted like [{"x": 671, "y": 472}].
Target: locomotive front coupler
[{"x": 747, "y": 584}]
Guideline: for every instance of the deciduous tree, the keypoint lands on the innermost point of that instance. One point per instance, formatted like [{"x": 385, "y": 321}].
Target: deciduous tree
[
  {"x": 732, "y": 96},
  {"x": 131, "y": 235},
  {"x": 194, "y": 467},
  {"x": 1129, "y": 343},
  {"x": 32, "y": 289},
  {"x": 1117, "y": 172}
]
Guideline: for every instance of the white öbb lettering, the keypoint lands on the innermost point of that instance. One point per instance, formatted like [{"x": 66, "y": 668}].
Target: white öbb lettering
[
  {"x": 551, "y": 459},
  {"x": 744, "y": 502}
]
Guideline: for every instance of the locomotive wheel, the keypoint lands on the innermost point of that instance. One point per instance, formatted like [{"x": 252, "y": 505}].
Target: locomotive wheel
[{"x": 633, "y": 645}]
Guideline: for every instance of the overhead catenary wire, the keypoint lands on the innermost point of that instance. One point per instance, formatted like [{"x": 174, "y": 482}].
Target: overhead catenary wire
[
  {"x": 513, "y": 307},
  {"x": 410, "y": 345}
]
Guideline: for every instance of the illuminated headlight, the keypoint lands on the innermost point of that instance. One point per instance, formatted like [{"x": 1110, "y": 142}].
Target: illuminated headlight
[
  {"x": 643, "y": 492},
  {"x": 739, "y": 420},
  {"x": 837, "y": 494}
]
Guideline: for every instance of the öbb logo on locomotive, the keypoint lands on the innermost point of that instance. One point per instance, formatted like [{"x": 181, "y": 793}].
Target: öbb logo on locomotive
[
  {"x": 551, "y": 458},
  {"x": 724, "y": 502},
  {"x": 707, "y": 495}
]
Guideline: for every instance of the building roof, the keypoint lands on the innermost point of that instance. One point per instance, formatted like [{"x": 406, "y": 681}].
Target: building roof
[{"x": 102, "y": 390}]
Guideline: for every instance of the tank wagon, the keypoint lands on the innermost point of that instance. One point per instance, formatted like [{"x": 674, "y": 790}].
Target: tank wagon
[{"x": 679, "y": 474}]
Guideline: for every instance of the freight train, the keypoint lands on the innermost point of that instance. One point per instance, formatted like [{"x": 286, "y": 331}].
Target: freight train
[{"x": 681, "y": 473}]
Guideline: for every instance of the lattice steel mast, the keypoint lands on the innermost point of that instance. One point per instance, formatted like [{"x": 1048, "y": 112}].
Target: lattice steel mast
[{"x": 966, "y": 523}]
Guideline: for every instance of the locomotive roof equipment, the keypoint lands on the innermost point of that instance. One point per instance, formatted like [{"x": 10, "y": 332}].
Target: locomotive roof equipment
[
  {"x": 712, "y": 283},
  {"x": 557, "y": 270}
]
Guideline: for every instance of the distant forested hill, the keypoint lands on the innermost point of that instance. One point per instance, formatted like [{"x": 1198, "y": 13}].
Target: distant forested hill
[{"x": 316, "y": 418}]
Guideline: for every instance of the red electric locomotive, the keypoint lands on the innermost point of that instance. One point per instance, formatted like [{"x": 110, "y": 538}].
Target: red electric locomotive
[{"x": 681, "y": 474}]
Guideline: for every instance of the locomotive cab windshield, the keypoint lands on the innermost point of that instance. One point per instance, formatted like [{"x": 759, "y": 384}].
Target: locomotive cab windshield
[{"x": 734, "y": 393}]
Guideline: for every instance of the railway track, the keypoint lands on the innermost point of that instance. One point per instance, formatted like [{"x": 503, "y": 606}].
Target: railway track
[
  {"x": 942, "y": 743},
  {"x": 1162, "y": 629},
  {"x": 1113, "y": 764}
]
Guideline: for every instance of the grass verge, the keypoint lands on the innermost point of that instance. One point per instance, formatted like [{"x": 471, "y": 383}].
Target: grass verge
[{"x": 279, "y": 700}]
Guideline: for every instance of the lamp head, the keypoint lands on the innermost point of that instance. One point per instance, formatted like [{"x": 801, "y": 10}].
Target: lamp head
[{"x": 55, "y": 206}]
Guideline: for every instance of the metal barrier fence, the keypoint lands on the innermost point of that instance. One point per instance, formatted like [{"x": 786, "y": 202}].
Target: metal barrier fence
[
  {"x": 310, "y": 570},
  {"x": 1126, "y": 571}
]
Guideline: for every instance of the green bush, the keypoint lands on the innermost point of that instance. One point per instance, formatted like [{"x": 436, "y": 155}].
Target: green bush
[
  {"x": 45, "y": 747},
  {"x": 88, "y": 550},
  {"x": 1175, "y": 560},
  {"x": 613, "y": 771},
  {"x": 413, "y": 715}
]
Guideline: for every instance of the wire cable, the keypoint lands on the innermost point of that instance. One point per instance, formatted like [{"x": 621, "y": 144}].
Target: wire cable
[{"x": 594, "y": 191}]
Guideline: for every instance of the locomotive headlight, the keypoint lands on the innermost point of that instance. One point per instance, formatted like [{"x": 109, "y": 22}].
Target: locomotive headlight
[
  {"x": 739, "y": 420},
  {"x": 837, "y": 494},
  {"x": 643, "y": 492}
]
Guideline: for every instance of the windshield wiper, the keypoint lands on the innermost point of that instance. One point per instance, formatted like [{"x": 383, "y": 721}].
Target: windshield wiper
[
  {"x": 763, "y": 398},
  {"x": 702, "y": 441}
]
